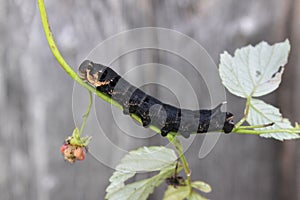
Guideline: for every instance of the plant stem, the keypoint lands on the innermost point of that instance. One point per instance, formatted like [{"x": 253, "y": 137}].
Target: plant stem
[
  {"x": 62, "y": 61},
  {"x": 246, "y": 112},
  {"x": 86, "y": 115},
  {"x": 258, "y": 132},
  {"x": 256, "y": 126},
  {"x": 178, "y": 146}
]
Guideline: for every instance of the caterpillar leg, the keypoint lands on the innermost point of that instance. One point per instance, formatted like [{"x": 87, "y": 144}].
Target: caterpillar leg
[
  {"x": 146, "y": 121},
  {"x": 172, "y": 119},
  {"x": 164, "y": 131},
  {"x": 125, "y": 106},
  {"x": 126, "y": 111}
]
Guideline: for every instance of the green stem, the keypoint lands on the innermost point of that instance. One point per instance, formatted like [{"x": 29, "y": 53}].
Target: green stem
[
  {"x": 256, "y": 126},
  {"x": 178, "y": 146},
  {"x": 246, "y": 112},
  {"x": 62, "y": 61},
  {"x": 258, "y": 132},
  {"x": 86, "y": 115}
]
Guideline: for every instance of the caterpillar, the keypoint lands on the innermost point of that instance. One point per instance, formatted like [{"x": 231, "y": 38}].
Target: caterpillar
[{"x": 150, "y": 110}]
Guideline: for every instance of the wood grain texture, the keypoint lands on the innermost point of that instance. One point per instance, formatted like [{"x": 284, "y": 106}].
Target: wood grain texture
[{"x": 36, "y": 101}]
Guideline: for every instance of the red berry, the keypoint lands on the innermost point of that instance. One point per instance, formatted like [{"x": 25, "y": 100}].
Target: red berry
[
  {"x": 79, "y": 153},
  {"x": 63, "y": 148}
]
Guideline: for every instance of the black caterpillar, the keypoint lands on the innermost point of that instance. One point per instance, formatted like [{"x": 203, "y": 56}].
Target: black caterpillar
[{"x": 152, "y": 111}]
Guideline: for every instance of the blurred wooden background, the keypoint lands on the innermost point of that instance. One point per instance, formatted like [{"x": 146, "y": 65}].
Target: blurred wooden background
[{"x": 36, "y": 100}]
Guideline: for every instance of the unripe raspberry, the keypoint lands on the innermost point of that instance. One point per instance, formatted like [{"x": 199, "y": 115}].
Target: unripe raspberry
[
  {"x": 69, "y": 152},
  {"x": 79, "y": 153},
  {"x": 63, "y": 148}
]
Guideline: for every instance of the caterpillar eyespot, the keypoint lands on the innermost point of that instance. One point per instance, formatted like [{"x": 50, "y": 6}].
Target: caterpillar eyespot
[{"x": 150, "y": 110}]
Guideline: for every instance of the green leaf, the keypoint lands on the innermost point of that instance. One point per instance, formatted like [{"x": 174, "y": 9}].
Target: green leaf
[
  {"x": 178, "y": 193},
  {"x": 147, "y": 159},
  {"x": 117, "y": 180},
  {"x": 140, "y": 190},
  {"x": 262, "y": 113},
  {"x": 195, "y": 196},
  {"x": 254, "y": 71},
  {"x": 202, "y": 186}
]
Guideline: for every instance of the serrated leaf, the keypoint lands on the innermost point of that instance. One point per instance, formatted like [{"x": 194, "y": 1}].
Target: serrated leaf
[
  {"x": 117, "y": 180},
  {"x": 121, "y": 176},
  {"x": 254, "y": 71},
  {"x": 147, "y": 159},
  {"x": 202, "y": 186},
  {"x": 261, "y": 113},
  {"x": 140, "y": 190},
  {"x": 178, "y": 193},
  {"x": 195, "y": 196}
]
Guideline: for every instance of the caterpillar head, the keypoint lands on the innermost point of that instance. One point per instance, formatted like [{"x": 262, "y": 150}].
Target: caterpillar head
[
  {"x": 92, "y": 73},
  {"x": 85, "y": 67}
]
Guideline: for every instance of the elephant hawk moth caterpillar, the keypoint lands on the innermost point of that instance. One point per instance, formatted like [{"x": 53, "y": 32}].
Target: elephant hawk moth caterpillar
[{"x": 150, "y": 110}]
